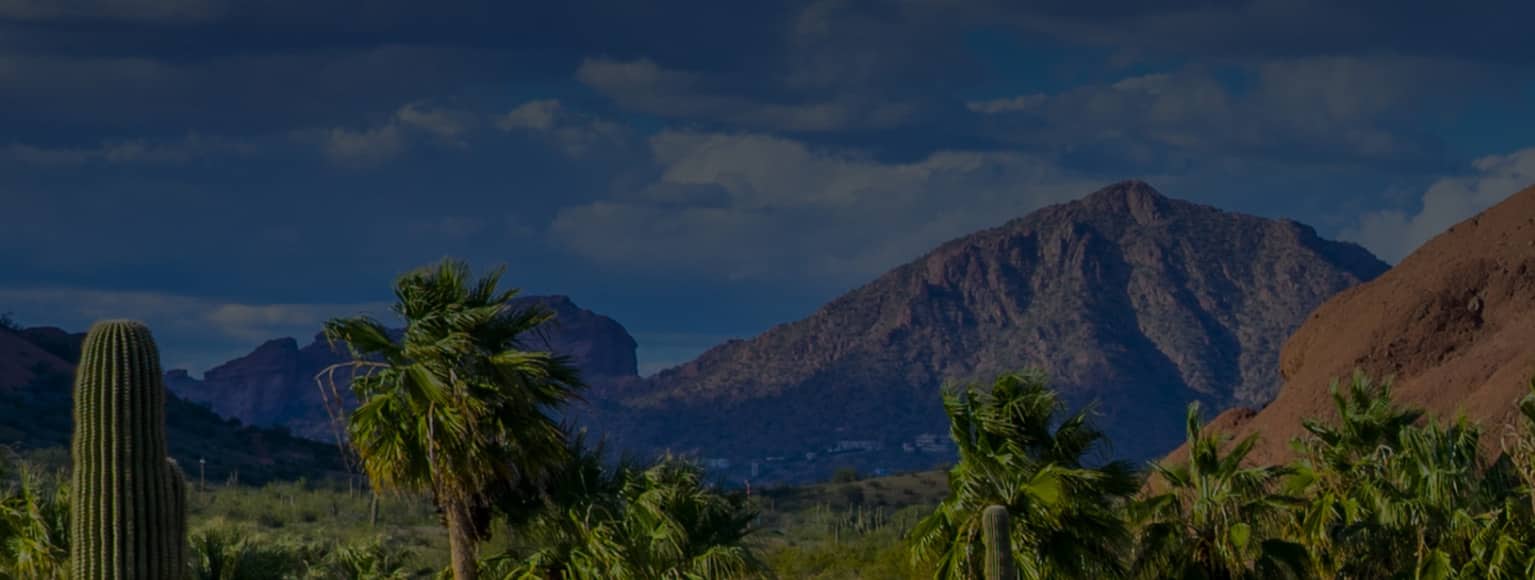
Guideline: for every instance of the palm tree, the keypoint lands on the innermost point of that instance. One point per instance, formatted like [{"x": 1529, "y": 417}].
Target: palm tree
[
  {"x": 1519, "y": 445},
  {"x": 1389, "y": 499},
  {"x": 1505, "y": 546},
  {"x": 676, "y": 527},
  {"x": 1341, "y": 470},
  {"x": 458, "y": 407},
  {"x": 34, "y": 526},
  {"x": 1016, "y": 451},
  {"x": 1215, "y": 518},
  {"x": 1434, "y": 505},
  {"x": 374, "y": 560},
  {"x": 659, "y": 522},
  {"x": 568, "y": 529}
]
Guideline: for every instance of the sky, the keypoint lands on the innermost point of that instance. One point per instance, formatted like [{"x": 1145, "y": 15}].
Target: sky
[{"x": 698, "y": 170}]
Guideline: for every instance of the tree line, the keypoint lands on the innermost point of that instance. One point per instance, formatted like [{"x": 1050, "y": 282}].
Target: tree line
[{"x": 1379, "y": 491}]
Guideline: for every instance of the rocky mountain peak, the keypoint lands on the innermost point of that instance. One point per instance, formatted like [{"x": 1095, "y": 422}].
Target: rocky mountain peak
[
  {"x": 1133, "y": 198},
  {"x": 1125, "y": 297},
  {"x": 275, "y": 383}
]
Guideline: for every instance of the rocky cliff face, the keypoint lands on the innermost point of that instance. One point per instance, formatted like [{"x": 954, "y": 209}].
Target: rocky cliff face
[
  {"x": 275, "y": 384},
  {"x": 1126, "y": 297},
  {"x": 1454, "y": 323}
]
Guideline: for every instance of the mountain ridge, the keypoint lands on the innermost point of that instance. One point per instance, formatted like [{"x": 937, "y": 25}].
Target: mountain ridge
[
  {"x": 275, "y": 383},
  {"x": 38, "y": 413},
  {"x": 1157, "y": 301}
]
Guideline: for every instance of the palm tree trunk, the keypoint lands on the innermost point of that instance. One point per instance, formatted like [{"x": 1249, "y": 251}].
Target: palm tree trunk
[{"x": 461, "y": 541}]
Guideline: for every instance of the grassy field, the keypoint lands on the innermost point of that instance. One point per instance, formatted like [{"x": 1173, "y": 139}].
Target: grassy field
[
  {"x": 300, "y": 513},
  {"x": 848, "y": 529},
  {"x": 843, "y": 529}
]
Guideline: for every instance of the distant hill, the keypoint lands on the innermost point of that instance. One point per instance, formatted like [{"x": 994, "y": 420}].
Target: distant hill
[
  {"x": 36, "y": 379},
  {"x": 1125, "y": 297},
  {"x": 1454, "y": 323},
  {"x": 275, "y": 384}
]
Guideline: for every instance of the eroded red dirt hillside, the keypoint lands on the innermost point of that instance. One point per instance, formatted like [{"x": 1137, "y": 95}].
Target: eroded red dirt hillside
[{"x": 1454, "y": 323}]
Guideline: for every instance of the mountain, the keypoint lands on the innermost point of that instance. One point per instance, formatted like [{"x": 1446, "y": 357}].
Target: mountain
[
  {"x": 36, "y": 379},
  {"x": 1125, "y": 297},
  {"x": 23, "y": 360},
  {"x": 1454, "y": 323},
  {"x": 275, "y": 384}
]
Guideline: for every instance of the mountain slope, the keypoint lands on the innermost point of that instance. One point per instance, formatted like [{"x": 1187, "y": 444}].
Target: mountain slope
[
  {"x": 1454, "y": 322},
  {"x": 275, "y": 384},
  {"x": 23, "y": 361},
  {"x": 1125, "y": 297},
  {"x": 36, "y": 413}
]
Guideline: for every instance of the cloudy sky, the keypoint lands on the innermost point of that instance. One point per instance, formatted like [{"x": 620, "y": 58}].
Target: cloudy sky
[{"x": 699, "y": 170}]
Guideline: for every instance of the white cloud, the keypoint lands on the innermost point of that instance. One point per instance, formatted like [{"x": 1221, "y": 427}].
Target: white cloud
[
  {"x": 755, "y": 207},
  {"x": 1394, "y": 233},
  {"x": 360, "y": 148},
  {"x": 575, "y": 134},
  {"x": 1018, "y": 103},
  {"x": 371, "y": 146},
  {"x": 446, "y": 124},
  {"x": 540, "y": 115},
  {"x": 642, "y": 85}
]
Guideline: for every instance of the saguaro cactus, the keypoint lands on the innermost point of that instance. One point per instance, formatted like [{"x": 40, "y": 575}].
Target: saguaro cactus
[
  {"x": 999, "y": 547},
  {"x": 128, "y": 499}
]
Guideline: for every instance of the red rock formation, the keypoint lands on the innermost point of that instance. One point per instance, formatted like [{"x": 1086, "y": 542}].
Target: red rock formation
[{"x": 1454, "y": 323}]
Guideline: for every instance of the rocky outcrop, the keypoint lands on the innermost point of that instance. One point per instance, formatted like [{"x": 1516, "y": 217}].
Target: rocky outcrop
[
  {"x": 1453, "y": 323},
  {"x": 275, "y": 384}
]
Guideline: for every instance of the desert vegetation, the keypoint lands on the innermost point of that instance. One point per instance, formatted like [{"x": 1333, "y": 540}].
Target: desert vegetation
[{"x": 463, "y": 473}]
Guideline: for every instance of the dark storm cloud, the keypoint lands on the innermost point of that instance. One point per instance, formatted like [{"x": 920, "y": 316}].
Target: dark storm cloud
[
  {"x": 567, "y": 31},
  {"x": 1492, "y": 31},
  {"x": 1324, "y": 110},
  {"x": 143, "y": 11},
  {"x": 54, "y": 97},
  {"x": 254, "y": 66},
  {"x": 291, "y": 220},
  {"x": 833, "y": 68}
]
